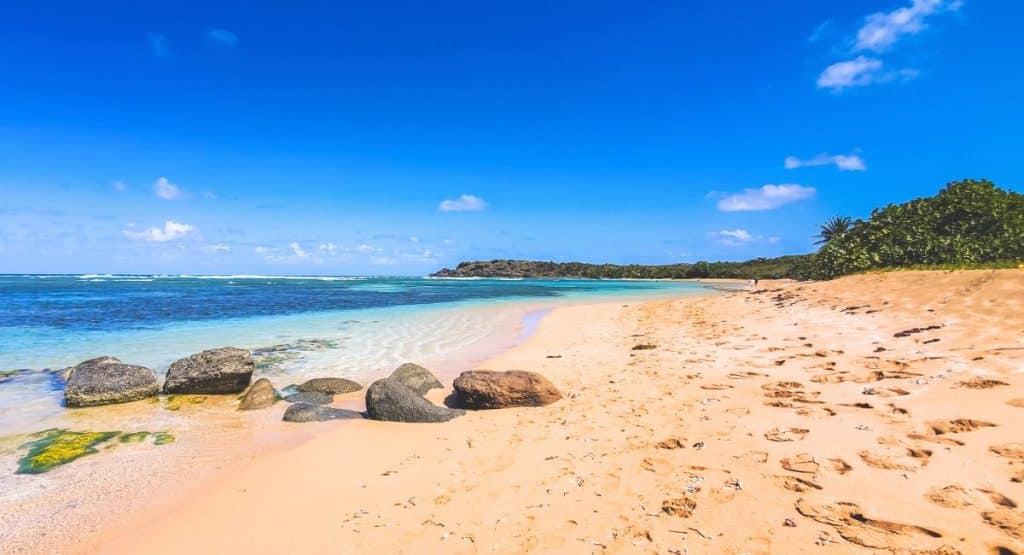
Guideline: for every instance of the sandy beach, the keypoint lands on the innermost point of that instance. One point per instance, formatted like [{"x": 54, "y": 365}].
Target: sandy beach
[{"x": 873, "y": 412}]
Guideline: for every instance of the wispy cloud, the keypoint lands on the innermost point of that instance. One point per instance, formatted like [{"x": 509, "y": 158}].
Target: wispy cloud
[
  {"x": 465, "y": 203},
  {"x": 859, "y": 72},
  {"x": 820, "y": 31},
  {"x": 171, "y": 231},
  {"x": 297, "y": 250},
  {"x": 158, "y": 45},
  {"x": 767, "y": 197},
  {"x": 219, "y": 247},
  {"x": 882, "y": 29},
  {"x": 845, "y": 162},
  {"x": 329, "y": 249},
  {"x": 165, "y": 189},
  {"x": 732, "y": 237},
  {"x": 222, "y": 37},
  {"x": 119, "y": 186},
  {"x": 364, "y": 248}
]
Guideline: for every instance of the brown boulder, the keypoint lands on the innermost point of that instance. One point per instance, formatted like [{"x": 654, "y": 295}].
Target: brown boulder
[
  {"x": 260, "y": 395},
  {"x": 487, "y": 389}
]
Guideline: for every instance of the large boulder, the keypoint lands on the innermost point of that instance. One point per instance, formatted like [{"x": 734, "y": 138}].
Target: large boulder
[
  {"x": 416, "y": 378},
  {"x": 330, "y": 386},
  {"x": 260, "y": 395},
  {"x": 487, "y": 389},
  {"x": 311, "y": 397},
  {"x": 224, "y": 370},
  {"x": 392, "y": 400},
  {"x": 306, "y": 412},
  {"x": 106, "y": 380}
]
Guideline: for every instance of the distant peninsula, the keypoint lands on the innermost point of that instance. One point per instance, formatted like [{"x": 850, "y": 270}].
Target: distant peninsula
[{"x": 760, "y": 268}]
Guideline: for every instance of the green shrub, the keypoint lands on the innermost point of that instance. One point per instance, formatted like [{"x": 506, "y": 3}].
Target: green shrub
[{"x": 969, "y": 223}]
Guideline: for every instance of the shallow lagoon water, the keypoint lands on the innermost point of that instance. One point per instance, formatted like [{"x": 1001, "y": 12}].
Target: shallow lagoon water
[{"x": 298, "y": 327}]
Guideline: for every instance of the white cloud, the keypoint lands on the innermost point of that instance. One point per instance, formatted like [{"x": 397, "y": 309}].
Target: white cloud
[
  {"x": 297, "y": 250},
  {"x": 119, "y": 186},
  {"x": 852, "y": 73},
  {"x": 731, "y": 237},
  {"x": 222, "y": 36},
  {"x": 261, "y": 250},
  {"x": 165, "y": 189},
  {"x": 882, "y": 29},
  {"x": 219, "y": 247},
  {"x": 329, "y": 249},
  {"x": 767, "y": 197},
  {"x": 367, "y": 249},
  {"x": 158, "y": 45},
  {"x": 859, "y": 72},
  {"x": 465, "y": 203},
  {"x": 170, "y": 232},
  {"x": 845, "y": 162},
  {"x": 383, "y": 260}
]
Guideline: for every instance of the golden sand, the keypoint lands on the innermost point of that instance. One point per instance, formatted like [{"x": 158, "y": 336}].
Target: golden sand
[{"x": 873, "y": 412}]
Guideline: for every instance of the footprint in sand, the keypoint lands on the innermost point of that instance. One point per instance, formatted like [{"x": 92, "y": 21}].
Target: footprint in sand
[
  {"x": 1018, "y": 403},
  {"x": 981, "y": 383},
  {"x": 786, "y": 434},
  {"x": 672, "y": 443},
  {"x": 855, "y": 527},
  {"x": 896, "y": 458},
  {"x": 941, "y": 440},
  {"x": 803, "y": 462},
  {"x": 957, "y": 497},
  {"x": 1014, "y": 452},
  {"x": 960, "y": 425},
  {"x": 743, "y": 375},
  {"x": 797, "y": 484},
  {"x": 834, "y": 377},
  {"x": 715, "y": 386},
  {"x": 680, "y": 506}
]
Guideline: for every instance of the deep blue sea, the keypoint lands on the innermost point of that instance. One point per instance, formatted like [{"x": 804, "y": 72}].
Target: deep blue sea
[{"x": 297, "y": 327}]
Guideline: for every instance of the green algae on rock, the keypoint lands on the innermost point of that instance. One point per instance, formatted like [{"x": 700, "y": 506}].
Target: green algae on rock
[
  {"x": 133, "y": 437},
  {"x": 59, "y": 446},
  {"x": 175, "y": 402},
  {"x": 162, "y": 438}
]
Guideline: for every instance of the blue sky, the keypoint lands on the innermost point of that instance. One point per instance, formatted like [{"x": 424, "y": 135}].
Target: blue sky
[{"x": 397, "y": 138}]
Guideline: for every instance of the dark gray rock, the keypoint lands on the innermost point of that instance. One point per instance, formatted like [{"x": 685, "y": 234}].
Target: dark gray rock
[
  {"x": 416, "y": 378},
  {"x": 260, "y": 395},
  {"x": 224, "y": 370},
  {"x": 306, "y": 412},
  {"x": 106, "y": 380},
  {"x": 392, "y": 400},
  {"x": 330, "y": 386},
  {"x": 311, "y": 397}
]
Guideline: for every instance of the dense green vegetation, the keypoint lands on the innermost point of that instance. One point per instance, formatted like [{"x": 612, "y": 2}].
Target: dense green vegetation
[
  {"x": 969, "y": 224},
  {"x": 760, "y": 268}
]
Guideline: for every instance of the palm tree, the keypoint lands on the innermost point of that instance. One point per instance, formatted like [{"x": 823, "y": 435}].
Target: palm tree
[{"x": 834, "y": 227}]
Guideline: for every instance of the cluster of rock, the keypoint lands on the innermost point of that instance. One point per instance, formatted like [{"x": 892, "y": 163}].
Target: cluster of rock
[
  {"x": 106, "y": 380},
  {"x": 398, "y": 398}
]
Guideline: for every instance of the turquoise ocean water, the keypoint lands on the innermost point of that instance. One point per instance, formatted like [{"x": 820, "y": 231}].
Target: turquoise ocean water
[{"x": 298, "y": 327}]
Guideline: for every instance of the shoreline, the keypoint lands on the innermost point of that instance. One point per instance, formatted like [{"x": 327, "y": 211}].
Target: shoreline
[
  {"x": 659, "y": 449},
  {"x": 796, "y": 405},
  {"x": 213, "y": 439}
]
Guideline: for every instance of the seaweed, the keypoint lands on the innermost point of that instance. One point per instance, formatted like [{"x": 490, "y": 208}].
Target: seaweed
[
  {"x": 162, "y": 438},
  {"x": 57, "y": 446},
  {"x": 176, "y": 402},
  {"x": 133, "y": 437}
]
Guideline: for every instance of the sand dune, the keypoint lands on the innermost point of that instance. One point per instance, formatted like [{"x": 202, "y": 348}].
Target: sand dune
[{"x": 874, "y": 412}]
